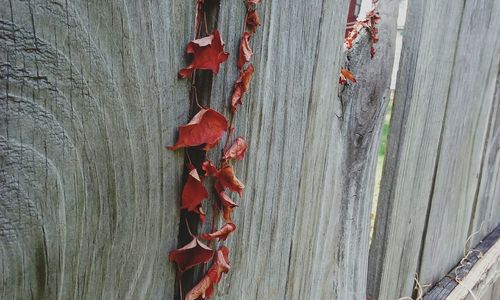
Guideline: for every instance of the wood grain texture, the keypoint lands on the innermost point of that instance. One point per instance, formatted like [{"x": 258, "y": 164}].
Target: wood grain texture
[
  {"x": 88, "y": 196},
  {"x": 487, "y": 209},
  {"x": 436, "y": 143},
  {"x": 418, "y": 112},
  {"x": 303, "y": 222},
  {"x": 463, "y": 140}
]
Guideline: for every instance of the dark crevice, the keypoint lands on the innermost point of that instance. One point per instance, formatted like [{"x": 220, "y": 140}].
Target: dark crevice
[{"x": 200, "y": 94}]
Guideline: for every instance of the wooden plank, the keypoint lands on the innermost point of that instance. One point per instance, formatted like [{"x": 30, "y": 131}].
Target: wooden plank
[
  {"x": 487, "y": 209},
  {"x": 463, "y": 140},
  {"x": 297, "y": 56},
  {"x": 425, "y": 71},
  {"x": 300, "y": 221},
  {"x": 88, "y": 196},
  {"x": 443, "y": 288}
]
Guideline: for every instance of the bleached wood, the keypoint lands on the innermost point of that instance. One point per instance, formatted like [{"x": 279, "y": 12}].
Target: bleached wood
[
  {"x": 303, "y": 222},
  {"x": 88, "y": 98},
  {"x": 463, "y": 141},
  {"x": 436, "y": 143}
]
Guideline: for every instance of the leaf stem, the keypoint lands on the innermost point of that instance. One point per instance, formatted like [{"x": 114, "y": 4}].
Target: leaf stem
[{"x": 189, "y": 228}]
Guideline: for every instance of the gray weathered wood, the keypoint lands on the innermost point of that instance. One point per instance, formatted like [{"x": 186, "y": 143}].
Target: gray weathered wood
[
  {"x": 436, "y": 143},
  {"x": 88, "y": 196},
  {"x": 463, "y": 140},
  {"x": 418, "y": 111},
  {"x": 303, "y": 222},
  {"x": 487, "y": 209}
]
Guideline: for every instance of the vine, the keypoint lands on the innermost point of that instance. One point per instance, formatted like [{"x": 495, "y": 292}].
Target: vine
[
  {"x": 206, "y": 129},
  {"x": 370, "y": 22}
]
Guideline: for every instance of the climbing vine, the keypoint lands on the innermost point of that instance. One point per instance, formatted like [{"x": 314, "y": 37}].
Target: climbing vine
[
  {"x": 370, "y": 22},
  {"x": 207, "y": 128}
]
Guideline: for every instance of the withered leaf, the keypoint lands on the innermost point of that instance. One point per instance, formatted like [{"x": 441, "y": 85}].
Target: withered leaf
[
  {"x": 237, "y": 149},
  {"x": 194, "y": 191},
  {"x": 206, "y": 127},
  {"x": 346, "y": 75},
  {"x": 253, "y": 20},
  {"x": 192, "y": 254},
  {"x": 241, "y": 87},
  {"x": 205, "y": 287},
  {"x": 245, "y": 53},
  {"x": 221, "y": 234},
  {"x": 208, "y": 53}
]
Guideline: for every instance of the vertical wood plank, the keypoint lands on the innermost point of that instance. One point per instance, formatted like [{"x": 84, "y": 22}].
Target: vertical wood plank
[
  {"x": 88, "y": 195},
  {"x": 463, "y": 139},
  {"x": 425, "y": 71}
]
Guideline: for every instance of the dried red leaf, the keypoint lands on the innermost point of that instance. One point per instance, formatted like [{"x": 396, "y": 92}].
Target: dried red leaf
[
  {"x": 206, "y": 127},
  {"x": 208, "y": 54},
  {"x": 228, "y": 180},
  {"x": 245, "y": 53},
  {"x": 241, "y": 87},
  {"x": 237, "y": 149},
  {"x": 253, "y": 20},
  {"x": 225, "y": 200},
  {"x": 221, "y": 234},
  {"x": 346, "y": 75},
  {"x": 210, "y": 146},
  {"x": 192, "y": 254},
  {"x": 210, "y": 169},
  {"x": 227, "y": 213},
  {"x": 205, "y": 287},
  {"x": 369, "y": 22},
  {"x": 248, "y": 2},
  {"x": 194, "y": 191}
]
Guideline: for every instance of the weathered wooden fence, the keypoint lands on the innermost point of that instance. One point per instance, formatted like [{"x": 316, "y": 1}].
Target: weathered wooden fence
[{"x": 89, "y": 197}]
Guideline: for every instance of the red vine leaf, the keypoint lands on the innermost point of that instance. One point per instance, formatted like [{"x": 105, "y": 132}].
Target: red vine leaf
[
  {"x": 369, "y": 22},
  {"x": 192, "y": 254},
  {"x": 346, "y": 75},
  {"x": 210, "y": 146},
  {"x": 245, "y": 53},
  {"x": 205, "y": 287},
  {"x": 227, "y": 206},
  {"x": 241, "y": 87},
  {"x": 225, "y": 177},
  {"x": 237, "y": 149},
  {"x": 206, "y": 127},
  {"x": 210, "y": 169},
  {"x": 253, "y": 20},
  {"x": 208, "y": 54},
  {"x": 228, "y": 180},
  {"x": 194, "y": 191},
  {"x": 221, "y": 234}
]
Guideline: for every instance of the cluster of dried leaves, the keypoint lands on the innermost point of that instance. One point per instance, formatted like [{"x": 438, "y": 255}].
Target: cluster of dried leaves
[
  {"x": 206, "y": 129},
  {"x": 369, "y": 22}
]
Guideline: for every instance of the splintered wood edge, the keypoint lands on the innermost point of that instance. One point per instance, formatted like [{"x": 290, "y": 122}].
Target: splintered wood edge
[
  {"x": 483, "y": 275},
  {"x": 475, "y": 273}
]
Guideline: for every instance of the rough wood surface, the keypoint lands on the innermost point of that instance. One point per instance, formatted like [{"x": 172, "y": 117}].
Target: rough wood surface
[
  {"x": 487, "y": 209},
  {"x": 418, "y": 112},
  {"x": 303, "y": 222},
  {"x": 436, "y": 143},
  {"x": 463, "y": 141},
  {"x": 88, "y": 195}
]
